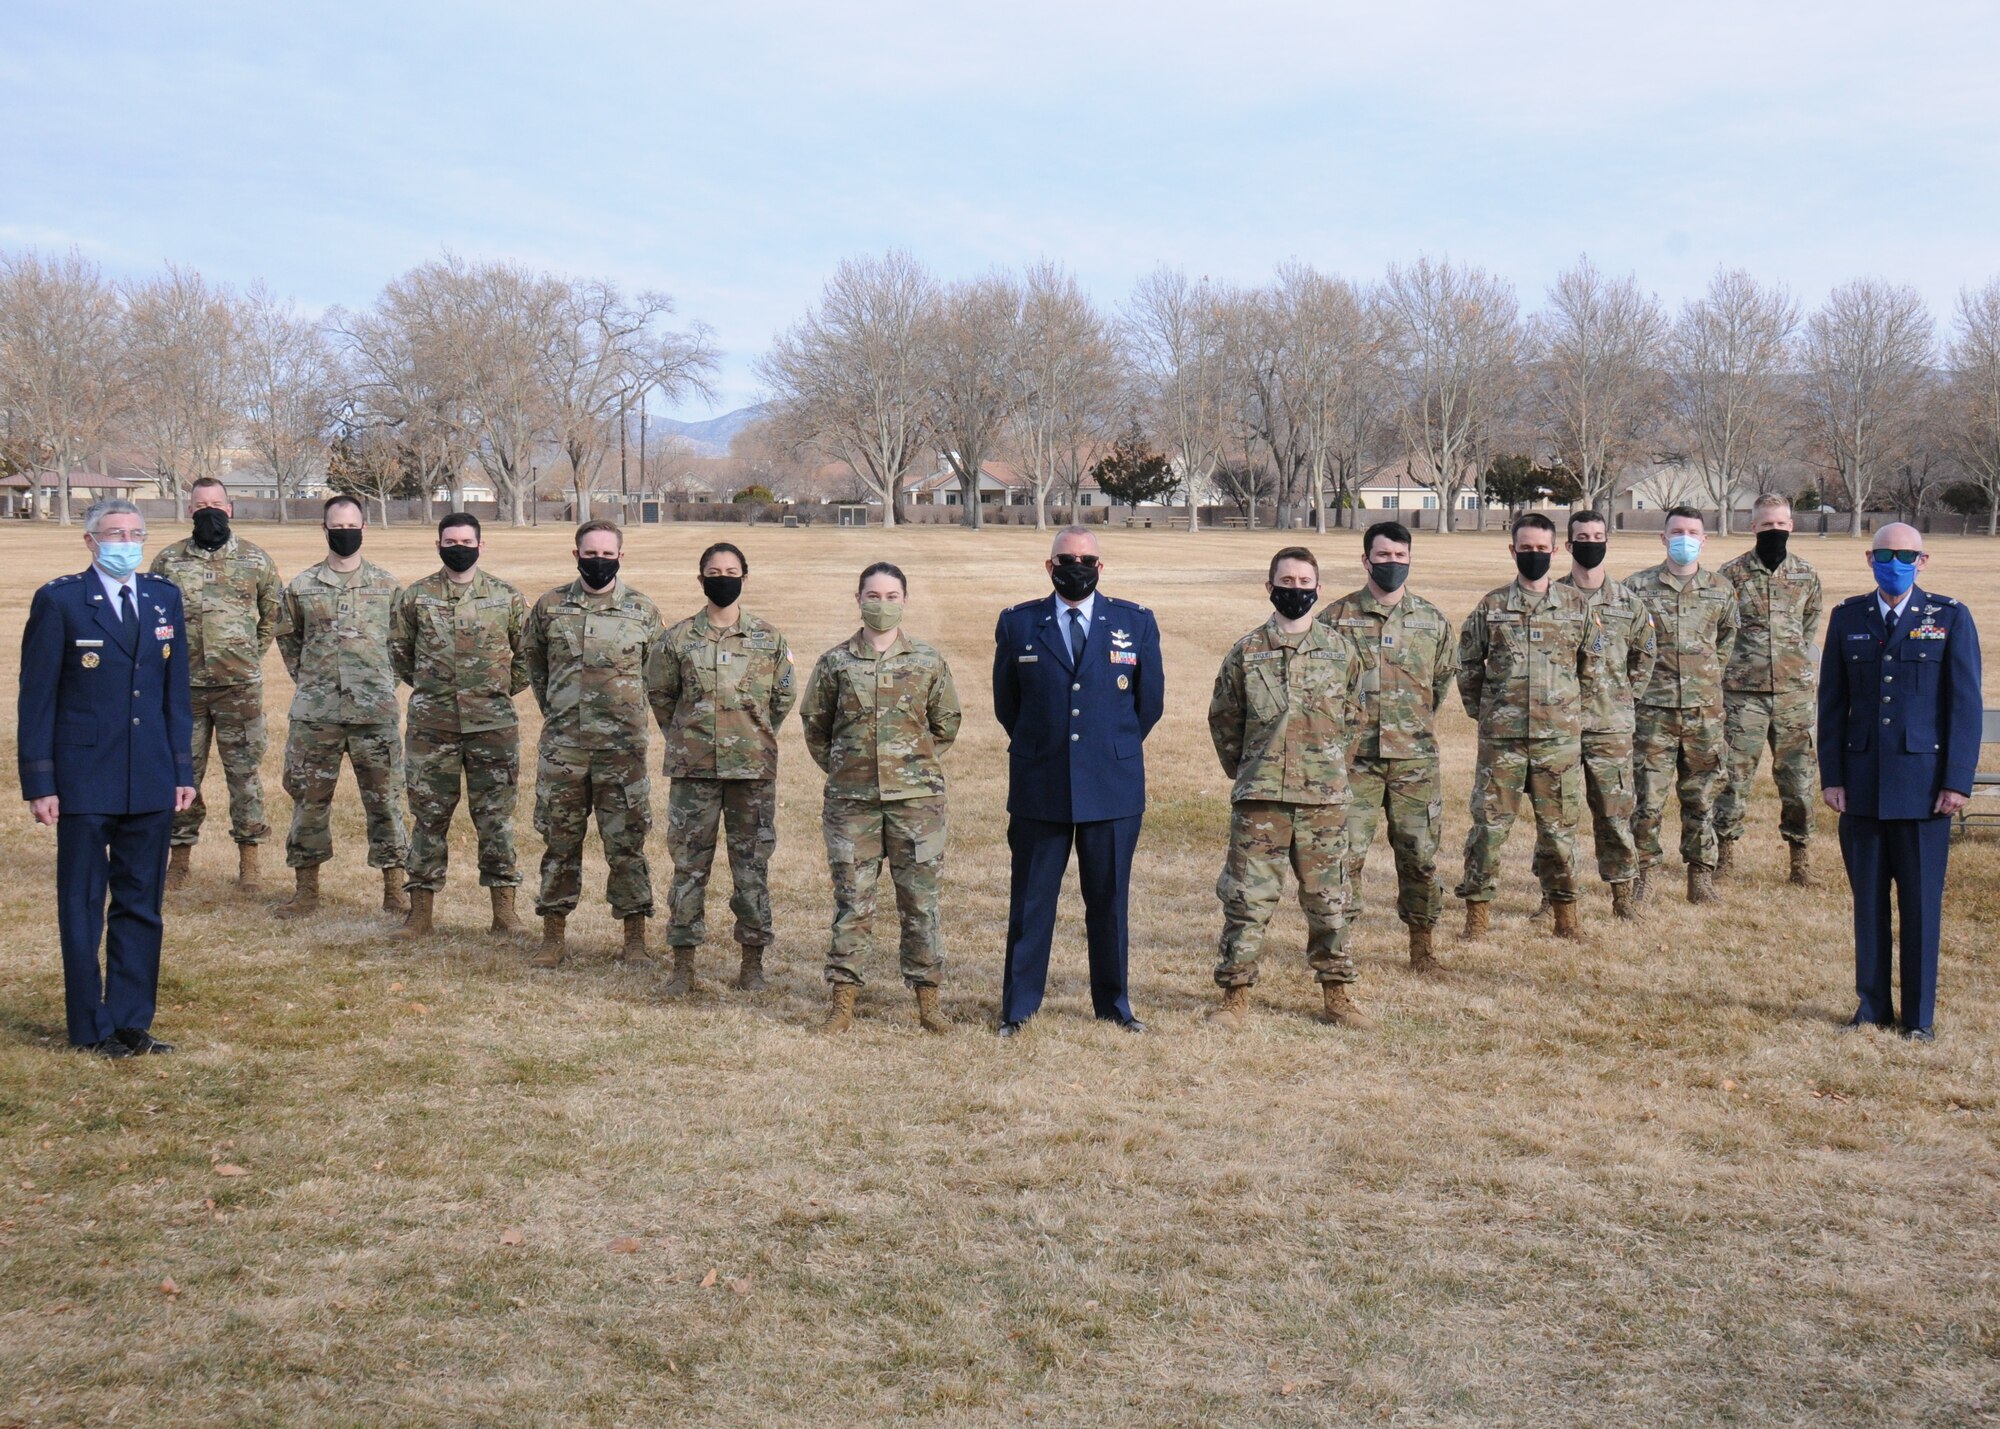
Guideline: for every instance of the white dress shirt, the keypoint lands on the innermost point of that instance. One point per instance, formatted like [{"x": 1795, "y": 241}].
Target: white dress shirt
[{"x": 112, "y": 585}]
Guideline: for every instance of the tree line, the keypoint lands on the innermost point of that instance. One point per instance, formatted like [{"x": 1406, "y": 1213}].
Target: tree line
[{"x": 1289, "y": 395}]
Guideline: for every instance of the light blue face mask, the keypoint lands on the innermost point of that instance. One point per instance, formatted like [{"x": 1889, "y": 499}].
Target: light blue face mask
[
  {"x": 1683, "y": 550},
  {"x": 120, "y": 558}
]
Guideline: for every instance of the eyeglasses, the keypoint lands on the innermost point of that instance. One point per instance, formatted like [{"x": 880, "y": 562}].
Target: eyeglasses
[
  {"x": 1883, "y": 556},
  {"x": 118, "y": 538},
  {"x": 1067, "y": 559}
]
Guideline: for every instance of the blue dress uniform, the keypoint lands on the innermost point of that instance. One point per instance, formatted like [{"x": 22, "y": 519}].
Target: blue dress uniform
[
  {"x": 1076, "y": 777},
  {"x": 1899, "y": 721},
  {"x": 105, "y": 725}
]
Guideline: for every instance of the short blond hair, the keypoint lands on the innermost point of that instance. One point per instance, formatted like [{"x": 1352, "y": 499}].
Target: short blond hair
[{"x": 1771, "y": 501}]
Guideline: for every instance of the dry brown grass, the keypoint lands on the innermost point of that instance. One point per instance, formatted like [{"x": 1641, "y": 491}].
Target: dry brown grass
[{"x": 1639, "y": 1181}]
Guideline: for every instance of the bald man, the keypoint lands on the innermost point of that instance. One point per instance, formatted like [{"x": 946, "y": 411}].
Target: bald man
[{"x": 1899, "y": 729}]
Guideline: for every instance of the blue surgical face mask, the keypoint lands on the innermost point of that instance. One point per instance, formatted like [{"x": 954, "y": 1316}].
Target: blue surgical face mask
[
  {"x": 1894, "y": 578},
  {"x": 120, "y": 558},
  {"x": 1683, "y": 550}
]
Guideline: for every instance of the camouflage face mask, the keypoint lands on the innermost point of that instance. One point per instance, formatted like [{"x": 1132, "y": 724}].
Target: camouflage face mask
[{"x": 881, "y": 615}]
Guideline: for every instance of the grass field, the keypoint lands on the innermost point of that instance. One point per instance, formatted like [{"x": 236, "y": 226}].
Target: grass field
[{"x": 1639, "y": 1180}]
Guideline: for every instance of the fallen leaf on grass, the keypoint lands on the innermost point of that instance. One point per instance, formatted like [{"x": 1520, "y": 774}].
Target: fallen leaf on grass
[
  {"x": 420, "y": 1009},
  {"x": 1727, "y": 1085},
  {"x": 395, "y": 987},
  {"x": 229, "y": 1168},
  {"x": 1288, "y": 1388},
  {"x": 512, "y": 1236},
  {"x": 624, "y": 1245},
  {"x": 742, "y": 1286},
  {"x": 168, "y": 1288},
  {"x": 708, "y": 1280}
]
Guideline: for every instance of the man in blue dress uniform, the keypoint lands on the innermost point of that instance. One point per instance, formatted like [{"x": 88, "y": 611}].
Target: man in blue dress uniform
[
  {"x": 1899, "y": 728},
  {"x": 106, "y": 740},
  {"x": 1077, "y": 686}
]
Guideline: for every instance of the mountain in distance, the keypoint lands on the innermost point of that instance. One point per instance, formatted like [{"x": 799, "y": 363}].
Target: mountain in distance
[{"x": 710, "y": 437}]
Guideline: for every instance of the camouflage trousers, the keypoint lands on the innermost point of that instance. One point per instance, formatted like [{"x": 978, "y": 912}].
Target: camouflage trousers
[
  {"x": 233, "y": 716},
  {"x": 746, "y": 812},
  {"x": 1611, "y": 791},
  {"x": 1412, "y": 793},
  {"x": 910, "y": 835},
  {"x": 1786, "y": 724},
  {"x": 487, "y": 764},
  {"x": 1550, "y": 773},
  {"x": 313, "y": 750},
  {"x": 1677, "y": 749},
  {"x": 571, "y": 784},
  {"x": 1264, "y": 836}
]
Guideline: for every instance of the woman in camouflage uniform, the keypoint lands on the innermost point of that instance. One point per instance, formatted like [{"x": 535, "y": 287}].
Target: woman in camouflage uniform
[{"x": 879, "y": 713}]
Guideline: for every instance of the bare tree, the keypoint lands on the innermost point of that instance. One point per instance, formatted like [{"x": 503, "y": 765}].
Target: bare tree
[
  {"x": 1452, "y": 338},
  {"x": 1262, "y": 395},
  {"x": 1066, "y": 386},
  {"x": 968, "y": 338},
  {"x": 1176, "y": 341},
  {"x": 292, "y": 386},
  {"x": 846, "y": 382},
  {"x": 1336, "y": 351},
  {"x": 1866, "y": 355},
  {"x": 1974, "y": 365},
  {"x": 1726, "y": 360},
  {"x": 602, "y": 352},
  {"x": 62, "y": 372},
  {"x": 1598, "y": 387},
  {"x": 186, "y": 380}
]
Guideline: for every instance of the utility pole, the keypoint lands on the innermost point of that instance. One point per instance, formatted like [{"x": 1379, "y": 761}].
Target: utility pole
[
  {"x": 624, "y": 490},
  {"x": 642, "y": 437}
]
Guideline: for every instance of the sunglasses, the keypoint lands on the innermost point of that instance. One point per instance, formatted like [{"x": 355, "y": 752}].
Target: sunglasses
[
  {"x": 1068, "y": 560},
  {"x": 1884, "y": 556}
]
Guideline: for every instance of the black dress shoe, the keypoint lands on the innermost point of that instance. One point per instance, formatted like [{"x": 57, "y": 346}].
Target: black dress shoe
[
  {"x": 142, "y": 1043},
  {"x": 1919, "y": 1034},
  {"x": 110, "y": 1047},
  {"x": 1009, "y": 1029},
  {"x": 1857, "y": 1020},
  {"x": 1133, "y": 1024}
]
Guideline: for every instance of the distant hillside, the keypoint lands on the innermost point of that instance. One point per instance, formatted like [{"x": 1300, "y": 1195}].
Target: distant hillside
[{"x": 712, "y": 437}]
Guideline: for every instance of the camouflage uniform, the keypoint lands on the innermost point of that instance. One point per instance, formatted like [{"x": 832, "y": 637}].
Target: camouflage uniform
[
  {"x": 720, "y": 696},
  {"x": 878, "y": 725},
  {"x": 1281, "y": 718},
  {"x": 1620, "y": 655},
  {"x": 335, "y": 643},
  {"x": 1409, "y": 660},
  {"x": 1521, "y": 660},
  {"x": 458, "y": 648},
  {"x": 1677, "y": 736},
  {"x": 1768, "y": 692},
  {"x": 234, "y": 601},
  {"x": 587, "y": 664}
]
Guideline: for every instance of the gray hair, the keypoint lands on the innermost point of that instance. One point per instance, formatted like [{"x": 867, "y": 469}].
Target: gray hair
[
  {"x": 1069, "y": 531},
  {"x": 108, "y": 506}
]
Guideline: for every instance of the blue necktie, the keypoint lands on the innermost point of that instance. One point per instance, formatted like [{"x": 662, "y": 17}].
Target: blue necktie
[
  {"x": 1889, "y": 620},
  {"x": 125, "y": 611},
  {"x": 1075, "y": 637}
]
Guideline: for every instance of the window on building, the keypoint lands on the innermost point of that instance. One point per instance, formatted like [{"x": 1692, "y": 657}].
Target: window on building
[
  {"x": 951, "y": 498},
  {"x": 1084, "y": 498},
  {"x": 1392, "y": 503},
  {"x": 1430, "y": 503}
]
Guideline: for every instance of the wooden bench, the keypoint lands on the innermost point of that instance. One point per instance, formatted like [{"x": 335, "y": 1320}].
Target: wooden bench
[
  {"x": 1985, "y": 782},
  {"x": 1237, "y": 523}
]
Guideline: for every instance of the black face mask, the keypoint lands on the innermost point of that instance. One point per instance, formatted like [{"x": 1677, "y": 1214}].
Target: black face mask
[
  {"x": 722, "y": 591},
  {"x": 1293, "y": 601},
  {"x": 211, "y": 528},
  {"x": 344, "y": 542},
  {"x": 1074, "y": 581},
  {"x": 1389, "y": 576},
  {"x": 459, "y": 558},
  {"x": 1532, "y": 565},
  {"x": 1588, "y": 554},
  {"x": 597, "y": 571},
  {"x": 1771, "y": 548}
]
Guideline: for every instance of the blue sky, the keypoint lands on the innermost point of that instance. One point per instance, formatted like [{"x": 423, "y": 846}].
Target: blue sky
[{"x": 730, "y": 154}]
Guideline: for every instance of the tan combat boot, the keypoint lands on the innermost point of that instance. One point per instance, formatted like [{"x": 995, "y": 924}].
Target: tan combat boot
[
  {"x": 1725, "y": 859},
  {"x": 840, "y": 1016},
  {"x": 682, "y": 982},
  {"x": 1701, "y": 883},
  {"x": 393, "y": 900},
  {"x": 1422, "y": 960},
  {"x": 1642, "y": 884},
  {"x": 1802, "y": 874},
  {"x": 1568, "y": 924},
  {"x": 750, "y": 977},
  {"x": 633, "y": 949},
  {"x": 1624, "y": 903},
  {"x": 505, "y": 919},
  {"x": 1235, "y": 1007},
  {"x": 555, "y": 941},
  {"x": 305, "y": 897},
  {"x": 417, "y": 922},
  {"x": 1478, "y": 918},
  {"x": 1542, "y": 908},
  {"x": 249, "y": 876},
  {"x": 928, "y": 1016},
  {"x": 177, "y": 866},
  {"x": 1339, "y": 1009}
]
